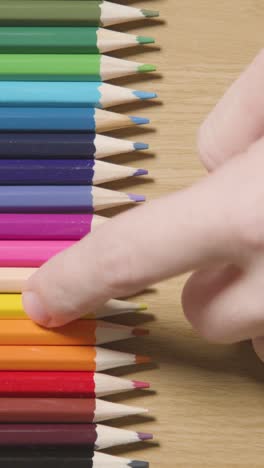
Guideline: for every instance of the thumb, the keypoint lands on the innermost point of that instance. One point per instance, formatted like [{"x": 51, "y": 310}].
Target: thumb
[{"x": 163, "y": 238}]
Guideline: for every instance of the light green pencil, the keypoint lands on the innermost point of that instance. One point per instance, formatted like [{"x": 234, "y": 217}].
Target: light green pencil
[{"x": 65, "y": 67}]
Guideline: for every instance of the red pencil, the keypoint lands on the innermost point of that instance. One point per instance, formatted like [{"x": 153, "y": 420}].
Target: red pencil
[{"x": 45, "y": 384}]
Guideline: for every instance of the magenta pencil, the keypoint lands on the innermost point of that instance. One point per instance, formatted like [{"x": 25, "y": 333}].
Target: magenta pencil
[
  {"x": 29, "y": 253},
  {"x": 41, "y": 226}
]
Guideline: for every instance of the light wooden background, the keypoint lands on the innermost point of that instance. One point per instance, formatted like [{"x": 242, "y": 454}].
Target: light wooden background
[{"x": 207, "y": 402}]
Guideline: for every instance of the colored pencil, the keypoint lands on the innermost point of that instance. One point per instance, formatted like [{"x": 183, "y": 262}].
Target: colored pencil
[
  {"x": 62, "y": 410},
  {"x": 64, "y": 119},
  {"x": 77, "y": 333},
  {"x": 77, "y": 12},
  {"x": 64, "y": 384},
  {"x": 64, "y": 145},
  {"x": 30, "y": 253},
  {"x": 47, "y": 457},
  {"x": 11, "y": 307},
  {"x": 64, "y": 358},
  {"x": 63, "y": 172},
  {"x": 95, "y": 436},
  {"x": 65, "y": 40},
  {"x": 67, "y": 67},
  {"x": 67, "y": 94},
  {"x": 12, "y": 280},
  {"x": 61, "y": 199},
  {"x": 39, "y": 226},
  {"x": 22, "y": 226}
]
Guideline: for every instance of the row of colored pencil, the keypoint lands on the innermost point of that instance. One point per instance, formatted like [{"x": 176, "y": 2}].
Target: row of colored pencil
[{"x": 53, "y": 98}]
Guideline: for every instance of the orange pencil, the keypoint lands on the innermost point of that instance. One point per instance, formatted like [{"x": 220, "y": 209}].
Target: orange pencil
[
  {"x": 80, "y": 332},
  {"x": 64, "y": 358}
]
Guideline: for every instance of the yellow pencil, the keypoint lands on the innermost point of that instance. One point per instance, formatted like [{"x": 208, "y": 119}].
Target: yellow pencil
[{"x": 11, "y": 308}]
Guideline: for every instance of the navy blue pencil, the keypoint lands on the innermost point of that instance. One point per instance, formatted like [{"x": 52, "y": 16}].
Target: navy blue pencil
[
  {"x": 62, "y": 172},
  {"x": 64, "y": 145}
]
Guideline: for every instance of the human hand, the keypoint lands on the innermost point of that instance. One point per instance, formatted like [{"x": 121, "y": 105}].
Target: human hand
[{"x": 215, "y": 227}]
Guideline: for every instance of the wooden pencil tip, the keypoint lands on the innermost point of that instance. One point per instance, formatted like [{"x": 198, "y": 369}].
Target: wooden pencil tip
[
  {"x": 140, "y": 332},
  {"x": 145, "y": 40},
  {"x": 139, "y": 384},
  {"x": 142, "y": 359},
  {"x": 150, "y": 13},
  {"x": 145, "y": 436},
  {"x": 146, "y": 67}
]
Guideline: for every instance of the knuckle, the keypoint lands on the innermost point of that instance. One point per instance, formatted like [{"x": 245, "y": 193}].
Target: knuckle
[{"x": 208, "y": 146}]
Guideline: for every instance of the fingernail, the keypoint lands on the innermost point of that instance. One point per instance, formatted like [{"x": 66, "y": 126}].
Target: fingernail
[{"x": 34, "y": 308}]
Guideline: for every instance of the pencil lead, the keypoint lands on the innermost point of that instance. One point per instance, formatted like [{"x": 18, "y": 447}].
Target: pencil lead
[
  {"x": 143, "y": 306},
  {"x": 145, "y": 95},
  {"x": 144, "y": 436},
  {"x": 136, "y": 198},
  {"x": 140, "y": 172},
  {"x": 139, "y": 120},
  {"x": 146, "y": 67},
  {"x": 139, "y": 384},
  {"x": 140, "y": 332},
  {"x": 150, "y": 13},
  {"x": 138, "y": 464},
  {"x": 142, "y": 359},
  {"x": 140, "y": 146},
  {"x": 145, "y": 40}
]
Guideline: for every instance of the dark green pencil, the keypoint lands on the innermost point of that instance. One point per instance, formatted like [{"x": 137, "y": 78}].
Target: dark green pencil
[
  {"x": 70, "y": 12},
  {"x": 67, "y": 40}
]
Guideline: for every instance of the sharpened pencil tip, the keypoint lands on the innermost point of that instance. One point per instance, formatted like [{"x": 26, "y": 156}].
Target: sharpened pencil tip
[
  {"x": 145, "y": 95},
  {"x": 140, "y": 146},
  {"x": 142, "y": 359},
  {"x": 145, "y": 436},
  {"x": 150, "y": 13},
  {"x": 139, "y": 384},
  {"x": 143, "y": 306},
  {"x": 138, "y": 464},
  {"x": 145, "y": 40},
  {"x": 136, "y": 198},
  {"x": 146, "y": 67},
  {"x": 139, "y": 120},
  {"x": 140, "y": 172},
  {"x": 140, "y": 332}
]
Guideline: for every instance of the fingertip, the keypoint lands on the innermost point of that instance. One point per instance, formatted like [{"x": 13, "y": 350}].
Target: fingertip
[{"x": 35, "y": 308}]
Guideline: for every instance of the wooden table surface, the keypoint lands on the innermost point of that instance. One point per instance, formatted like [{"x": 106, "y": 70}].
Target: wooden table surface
[{"x": 207, "y": 403}]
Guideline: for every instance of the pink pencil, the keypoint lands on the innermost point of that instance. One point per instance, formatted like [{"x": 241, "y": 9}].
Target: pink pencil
[{"x": 29, "y": 253}]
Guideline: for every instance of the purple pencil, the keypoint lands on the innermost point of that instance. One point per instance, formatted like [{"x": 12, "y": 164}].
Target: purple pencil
[
  {"x": 41, "y": 226},
  {"x": 61, "y": 199},
  {"x": 93, "y": 435}
]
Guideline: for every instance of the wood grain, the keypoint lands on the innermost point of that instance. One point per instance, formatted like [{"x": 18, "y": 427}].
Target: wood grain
[{"x": 209, "y": 400}]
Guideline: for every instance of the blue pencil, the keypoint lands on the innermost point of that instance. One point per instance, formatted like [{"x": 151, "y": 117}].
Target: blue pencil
[
  {"x": 64, "y": 145},
  {"x": 67, "y": 94},
  {"x": 63, "y": 119},
  {"x": 61, "y": 199}
]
